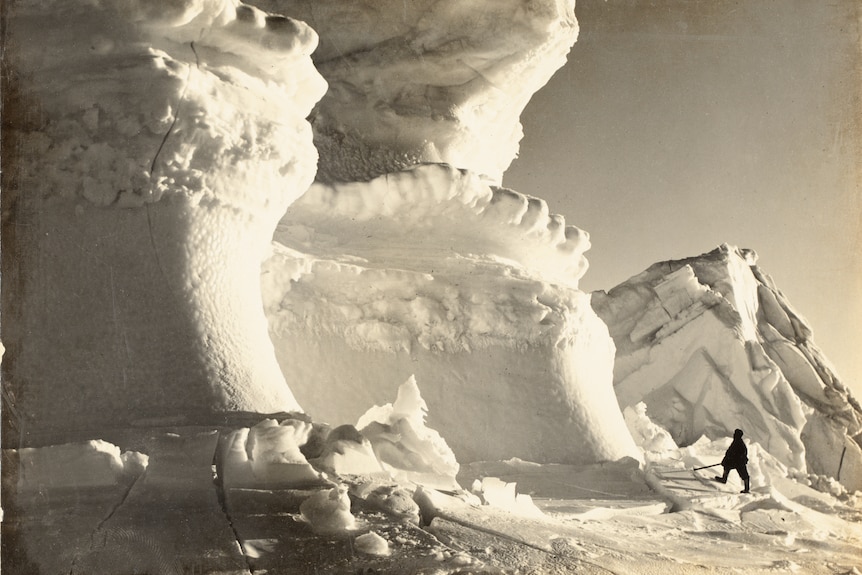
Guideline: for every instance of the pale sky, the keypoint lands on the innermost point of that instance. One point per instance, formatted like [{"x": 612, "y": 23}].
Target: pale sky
[{"x": 678, "y": 125}]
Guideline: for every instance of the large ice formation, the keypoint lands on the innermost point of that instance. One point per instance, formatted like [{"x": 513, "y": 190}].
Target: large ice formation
[
  {"x": 152, "y": 149},
  {"x": 710, "y": 344},
  {"x": 428, "y": 81},
  {"x": 472, "y": 288},
  {"x": 157, "y": 156},
  {"x": 155, "y": 146}
]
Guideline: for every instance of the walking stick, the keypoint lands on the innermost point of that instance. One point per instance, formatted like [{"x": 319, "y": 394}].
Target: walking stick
[{"x": 706, "y": 466}]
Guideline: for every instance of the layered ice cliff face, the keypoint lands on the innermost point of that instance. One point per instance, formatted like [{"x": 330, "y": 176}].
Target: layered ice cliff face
[
  {"x": 159, "y": 145},
  {"x": 709, "y": 344},
  {"x": 428, "y": 81},
  {"x": 471, "y": 288},
  {"x": 155, "y": 147},
  {"x": 403, "y": 260}
]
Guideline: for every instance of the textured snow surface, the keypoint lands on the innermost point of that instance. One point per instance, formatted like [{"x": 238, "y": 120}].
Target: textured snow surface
[
  {"x": 428, "y": 81},
  {"x": 157, "y": 145},
  {"x": 470, "y": 288},
  {"x": 709, "y": 344},
  {"x": 181, "y": 511}
]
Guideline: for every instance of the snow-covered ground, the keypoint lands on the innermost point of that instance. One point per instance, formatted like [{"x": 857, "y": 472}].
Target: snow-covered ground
[{"x": 268, "y": 499}]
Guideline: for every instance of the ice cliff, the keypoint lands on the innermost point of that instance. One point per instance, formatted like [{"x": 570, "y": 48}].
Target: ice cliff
[
  {"x": 155, "y": 147},
  {"x": 159, "y": 148},
  {"x": 406, "y": 257},
  {"x": 710, "y": 344},
  {"x": 428, "y": 81},
  {"x": 471, "y": 288}
]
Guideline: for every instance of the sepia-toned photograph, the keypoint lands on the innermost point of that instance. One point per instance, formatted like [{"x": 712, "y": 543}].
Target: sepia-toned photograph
[{"x": 431, "y": 287}]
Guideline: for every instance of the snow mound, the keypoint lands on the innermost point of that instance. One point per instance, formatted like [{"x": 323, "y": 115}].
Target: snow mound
[
  {"x": 390, "y": 497},
  {"x": 94, "y": 463},
  {"x": 268, "y": 456},
  {"x": 428, "y": 81},
  {"x": 372, "y": 544},
  {"x": 328, "y": 511},
  {"x": 655, "y": 441},
  {"x": 709, "y": 344},
  {"x": 504, "y": 495},
  {"x": 347, "y": 451}
]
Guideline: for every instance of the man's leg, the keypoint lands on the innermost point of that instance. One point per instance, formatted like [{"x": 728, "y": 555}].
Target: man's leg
[
  {"x": 723, "y": 478},
  {"x": 743, "y": 473}
]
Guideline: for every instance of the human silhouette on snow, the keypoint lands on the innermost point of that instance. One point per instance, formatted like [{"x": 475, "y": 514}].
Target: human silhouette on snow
[{"x": 736, "y": 457}]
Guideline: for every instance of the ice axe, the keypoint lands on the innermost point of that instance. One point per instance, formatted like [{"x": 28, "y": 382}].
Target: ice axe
[{"x": 706, "y": 466}]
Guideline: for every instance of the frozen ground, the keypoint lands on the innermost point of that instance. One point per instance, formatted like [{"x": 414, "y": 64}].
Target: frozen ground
[
  {"x": 288, "y": 497},
  {"x": 604, "y": 519}
]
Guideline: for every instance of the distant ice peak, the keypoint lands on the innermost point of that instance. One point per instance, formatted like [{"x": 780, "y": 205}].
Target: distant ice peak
[{"x": 709, "y": 343}]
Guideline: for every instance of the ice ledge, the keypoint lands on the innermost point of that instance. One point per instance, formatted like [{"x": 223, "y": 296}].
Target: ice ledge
[{"x": 427, "y": 217}]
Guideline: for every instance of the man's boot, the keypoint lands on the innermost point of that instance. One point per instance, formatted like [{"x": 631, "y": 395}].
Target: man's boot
[{"x": 747, "y": 483}]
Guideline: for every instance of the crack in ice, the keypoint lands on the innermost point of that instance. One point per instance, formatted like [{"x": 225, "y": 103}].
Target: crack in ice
[
  {"x": 104, "y": 520},
  {"x": 221, "y": 497}
]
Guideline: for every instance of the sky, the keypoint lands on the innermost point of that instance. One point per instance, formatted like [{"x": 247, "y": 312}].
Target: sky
[{"x": 679, "y": 125}]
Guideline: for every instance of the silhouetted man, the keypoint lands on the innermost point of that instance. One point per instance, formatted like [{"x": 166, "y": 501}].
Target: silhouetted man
[{"x": 736, "y": 457}]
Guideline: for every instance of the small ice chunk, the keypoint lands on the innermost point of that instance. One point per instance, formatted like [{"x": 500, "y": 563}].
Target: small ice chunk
[
  {"x": 372, "y": 544},
  {"x": 346, "y": 451},
  {"x": 393, "y": 499},
  {"x": 134, "y": 463},
  {"x": 504, "y": 495},
  {"x": 268, "y": 456},
  {"x": 328, "y": 511},
  {"x": 655, "y": 441},
  {"x": 405, "y": 445}
]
